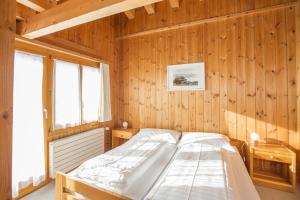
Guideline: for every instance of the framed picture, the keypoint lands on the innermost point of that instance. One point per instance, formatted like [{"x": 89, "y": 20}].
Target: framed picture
[{"x": 186, "y": 77}]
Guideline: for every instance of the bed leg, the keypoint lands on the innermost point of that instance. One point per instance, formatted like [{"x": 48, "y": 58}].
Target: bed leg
[{"x": 59, "y": 186}]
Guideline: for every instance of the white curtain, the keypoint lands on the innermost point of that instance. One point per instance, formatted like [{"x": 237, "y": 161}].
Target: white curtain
[
  {"x": 28, "y": 130},
  {"x": 105, "y": 103}
]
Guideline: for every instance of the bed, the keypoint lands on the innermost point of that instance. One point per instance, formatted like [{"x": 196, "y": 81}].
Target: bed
[
  {"x": 205, "y": 167},
  {"x": 117, "y": 173}
]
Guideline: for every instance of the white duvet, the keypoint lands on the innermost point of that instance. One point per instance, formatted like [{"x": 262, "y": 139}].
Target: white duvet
[
  {"x": 205, "y": 167},
  {"x": 116, "y": 169}
]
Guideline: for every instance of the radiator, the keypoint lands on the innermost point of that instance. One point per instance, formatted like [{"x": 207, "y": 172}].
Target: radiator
[{"x": 68, "y": 153}]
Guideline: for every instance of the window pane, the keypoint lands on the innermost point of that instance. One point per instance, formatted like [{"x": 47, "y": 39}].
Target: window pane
[
  {"x": 90, "y": 93},
  {"x": 67, "y": 98}
]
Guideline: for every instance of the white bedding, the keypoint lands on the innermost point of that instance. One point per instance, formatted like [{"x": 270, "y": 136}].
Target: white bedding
[
  {"x": 205, "y": 167},
  {"x": 120, "y": 170}
]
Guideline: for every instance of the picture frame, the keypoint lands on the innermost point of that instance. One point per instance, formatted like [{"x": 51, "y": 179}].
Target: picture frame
[{"x": 186, "y": 77}]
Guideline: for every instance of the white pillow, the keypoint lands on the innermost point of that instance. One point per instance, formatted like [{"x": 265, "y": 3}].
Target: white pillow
[
  {"x": 168, "y": 135},
  {"x": 198, "y": 137}
]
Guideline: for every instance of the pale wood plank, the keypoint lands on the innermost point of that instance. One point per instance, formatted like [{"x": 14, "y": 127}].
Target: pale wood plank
[
  {"x": 260, "y": 78},
  {"x": 174, "y": 3},
  {"x": 150, "y": 9},
  {"x": 232, "y": 76},
  {"x": 241, "y": 80},
  {"x": 250, "y": 80},
  {"x": 292, "y": 77},
  {"x": 159, "y": 79},
  {"x": 281, "y": 77},
  {"x": 90, "y": 191},
  {"x": 269, "y": 62},
  {"x": 37, "y": 5},
  {"x": 130, "y": 14},
  {"x": 208, "y": 20},
  {"x": 22, "y": 12},
  {"x": 208, "y": 44},
  {"x": 69, "y": 14},
  {"x": 200, "y": 95},
  {"x": 298, "y": 70}
]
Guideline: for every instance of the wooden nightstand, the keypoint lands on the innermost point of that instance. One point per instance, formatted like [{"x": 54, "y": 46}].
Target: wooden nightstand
[
  {"x": 119, "y": 136},
  {"x": 273, "y": 166}
]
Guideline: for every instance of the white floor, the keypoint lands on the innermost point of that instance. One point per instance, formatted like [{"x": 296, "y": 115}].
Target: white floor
[{"x": 47, "y": 193}]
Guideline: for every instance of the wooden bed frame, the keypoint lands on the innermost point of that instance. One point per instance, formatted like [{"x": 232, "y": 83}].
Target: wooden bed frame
[{"x": 66, "y": 186}]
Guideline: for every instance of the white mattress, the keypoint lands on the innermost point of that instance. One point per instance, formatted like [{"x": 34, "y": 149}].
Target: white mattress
[
  {"x": 120, "y": 170},
  {"x": 205, "y": 167}
]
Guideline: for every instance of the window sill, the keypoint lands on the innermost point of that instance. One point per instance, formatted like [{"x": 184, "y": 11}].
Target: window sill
[{"x": 65, "y": 132}]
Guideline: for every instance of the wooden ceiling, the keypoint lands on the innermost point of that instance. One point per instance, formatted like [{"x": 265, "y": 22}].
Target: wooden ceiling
[{"x": 37, "y": 18}]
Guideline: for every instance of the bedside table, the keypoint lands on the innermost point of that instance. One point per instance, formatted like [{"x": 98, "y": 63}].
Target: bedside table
[
  {"x": 273, "y": 166},
  {"x": 121, "y": 135}
]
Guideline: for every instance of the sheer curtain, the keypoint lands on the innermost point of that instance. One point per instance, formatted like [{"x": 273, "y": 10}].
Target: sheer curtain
[
  {"x": 90, "y": 94},
  {"x": 105, "y": 103},
  {"x": 28, "y": 130},
  {"x": 66, "y": 94}
]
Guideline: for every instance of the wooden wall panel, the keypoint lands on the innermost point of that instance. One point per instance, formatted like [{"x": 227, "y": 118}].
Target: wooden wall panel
[
  {"x": 189, "y": 10},
  {"x": 250, "y": 71}
]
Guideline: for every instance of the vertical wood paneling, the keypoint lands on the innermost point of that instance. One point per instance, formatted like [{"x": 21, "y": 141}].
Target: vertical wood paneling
[
  {"x": 291, "y": 67},
  {"x": 165, "y": 96},
  {"x": 231, "y": 79},
  {"x": 281, "y": 78},
  {"x": 200, "y": 95},
  {"x": 215, "y": 78},
  {"x": 223, "y": 62},
  {"x": 158, "y": 75},
  {"x": 260, "y": 77},
  {"x": 241, "y": 81},
  {"x": 142, "y": 83},
  {"x": 189, "y": 10},
  {"x": 250, "y": 71},
  {"x": 250, "y": 76},
  {"x": 269, "y": 63},
  {"x": 177, "y": 41},
  {"x": 208, "y": 43},
  {"x": 192, "y": 58}
]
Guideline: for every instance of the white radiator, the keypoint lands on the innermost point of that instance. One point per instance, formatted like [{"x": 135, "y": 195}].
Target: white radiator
[{"x": 68, "y": 153}]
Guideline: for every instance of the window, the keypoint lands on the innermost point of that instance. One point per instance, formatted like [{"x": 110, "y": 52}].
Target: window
[
  {"x": 77, "y": 94},
  {"x": 67, "y": 94},
  {"x": 28, "y": 128},
  {"x": 90, "y": 94}
]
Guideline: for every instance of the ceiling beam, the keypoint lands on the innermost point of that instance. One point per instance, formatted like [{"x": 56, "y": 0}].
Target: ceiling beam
[
  {"x": 66, "y": 44},
  {"x": 73, "y": 13},
  {"x": 150, "y": 9},
  {"x": 211, "y": 20},
  {"x": 174, "y": 3},
  {"x": 37, "y": 5},
  {"x": 130, "y": 14},
  {"x": 23, "y": 12}
]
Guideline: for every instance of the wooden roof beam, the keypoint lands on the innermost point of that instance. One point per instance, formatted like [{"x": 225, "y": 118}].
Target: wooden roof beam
[
  {"x": 73, "y": 13},
  {"x": 37, "y": 5},
  {"x": 174, "y": 3},
  {"x": 130, "y": 14},
  {"x": 23, "y": 12},
  {"x": 150, "y": 9}
]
